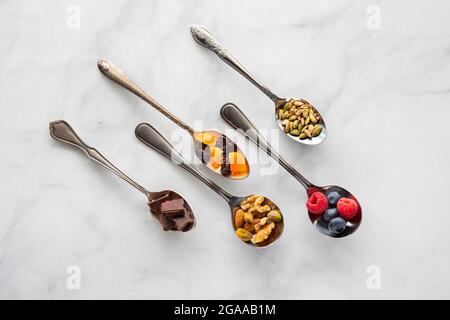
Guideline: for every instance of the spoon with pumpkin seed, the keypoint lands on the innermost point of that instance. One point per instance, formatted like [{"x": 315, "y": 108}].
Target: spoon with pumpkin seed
[{"x": 296, "y": 117}]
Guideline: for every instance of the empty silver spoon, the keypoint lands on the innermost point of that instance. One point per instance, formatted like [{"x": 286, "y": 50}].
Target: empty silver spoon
[
  {"x": 216, "y": 151},
  {"x": 237, "y": 119},
  {"x": 183, "y": 220},
  {"x": 205, "y": 38},
  {"x": 152, "y": 138}
]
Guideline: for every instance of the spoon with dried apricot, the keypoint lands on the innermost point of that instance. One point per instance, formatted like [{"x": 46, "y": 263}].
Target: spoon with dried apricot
[
  {"x": 257, "y": 221},
  {"x": 332, "y": 209},
  {"x": 299, "y": 119},
  {"x": 216, "y": 151}
]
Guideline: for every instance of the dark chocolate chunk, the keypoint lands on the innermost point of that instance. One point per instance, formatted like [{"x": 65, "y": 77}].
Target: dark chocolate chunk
[
  {"x": 158, "y": 198},
  {"x": 172, "y": 211},
  {"x": 173, "y": 208}
]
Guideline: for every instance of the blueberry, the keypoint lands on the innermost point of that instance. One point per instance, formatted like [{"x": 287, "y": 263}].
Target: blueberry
[
  {"x": 336, "y": 225},
  {"x": 330, "y": 214},
  {"x": 333, "y": 197}
]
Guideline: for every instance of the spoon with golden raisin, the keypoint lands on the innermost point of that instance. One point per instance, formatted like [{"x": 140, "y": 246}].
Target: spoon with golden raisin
[
  {"x": 257, "y": 221},
  {"x": 168, "y": 208},
  {"x": 323, "y": 220},
  {"x": 297, "y": 118},
  {"x": 216, "y": 151}
]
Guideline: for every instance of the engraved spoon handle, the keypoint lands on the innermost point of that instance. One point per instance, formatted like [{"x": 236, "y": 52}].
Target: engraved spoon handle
[
  {"x": 205, "y": 38},
  {"x": 118, "y": 76},
  {"x": 153, "y": 139},
  {"x": 60, "y": 130},
  {"x": 238, "y": 120}
]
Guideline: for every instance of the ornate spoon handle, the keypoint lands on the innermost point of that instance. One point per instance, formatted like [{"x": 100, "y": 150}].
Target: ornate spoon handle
[
  {"x": 205, "y": 38},
  {"x": 153, "y": 139},
  {"x": 62, "y": 131},
  {"x": 115, "y": 74},
  {"x": 237, "y": 119}
]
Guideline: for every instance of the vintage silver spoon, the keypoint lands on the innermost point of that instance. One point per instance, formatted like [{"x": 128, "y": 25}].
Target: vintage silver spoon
[
  {"x": 216, "y": 151},
  {"x": 238, "y": 120},
  {"x": 62, "y": 131},
  {"x": 152, "y": 138},
  {"x": 205, "y": 38}
]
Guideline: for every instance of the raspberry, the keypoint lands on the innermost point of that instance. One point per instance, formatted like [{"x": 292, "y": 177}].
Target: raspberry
[
  {"x": 317, "y": 203},
  {"x": 347, "y": 208}
]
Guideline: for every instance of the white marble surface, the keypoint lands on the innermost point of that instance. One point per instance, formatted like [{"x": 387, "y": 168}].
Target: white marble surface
[{"x": 384, "y": 92}]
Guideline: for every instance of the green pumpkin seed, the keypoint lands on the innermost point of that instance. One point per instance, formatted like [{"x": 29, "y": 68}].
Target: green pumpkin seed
[
  {"x": 313, "y": 119},
  {"x": 292, "y": 118},
  {"x": 294, "y": 132},
  {"x": 316, "y": 131},
  {"x": 302, "y": 135},
  {"x": 307, "y": 120},
  {"x": 295, "y": 124}
]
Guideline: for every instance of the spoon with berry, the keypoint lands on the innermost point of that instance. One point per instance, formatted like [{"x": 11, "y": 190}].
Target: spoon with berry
[{"x": 332, "y": 209}]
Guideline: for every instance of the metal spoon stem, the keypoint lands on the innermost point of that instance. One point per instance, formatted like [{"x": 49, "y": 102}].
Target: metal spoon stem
[
  {"x": 237, "y": 119},
  {"x": 118, "y": 76},
  {"x": 152, "y": 138},
  {"x": 205, "y": 38},
  {"x": 62, "y": 131}
]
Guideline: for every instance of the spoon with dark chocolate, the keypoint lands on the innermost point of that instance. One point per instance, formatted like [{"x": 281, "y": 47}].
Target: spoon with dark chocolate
[
  {"x": 169, "y": 209},
  {"x": 257, "y": 221},
  {"x": 216, "y": 151},
  {"x": 298, "y": 119},
  {"x": 332, "y": 209}
]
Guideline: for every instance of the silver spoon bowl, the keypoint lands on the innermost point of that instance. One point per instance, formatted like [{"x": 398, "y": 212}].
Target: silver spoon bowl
[
  {"x": 153, "y": 139},
  {"x": 238, "y": 120},
  {"x": 322, "y": 225},
  {"x": 205, "y": 38}
]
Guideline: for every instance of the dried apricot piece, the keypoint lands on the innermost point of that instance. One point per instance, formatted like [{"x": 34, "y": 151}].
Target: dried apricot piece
[
  {"x": 216, "y": 157},
  {"x": 237, "y": 162},
  {"x": 205, "y": 138}
]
